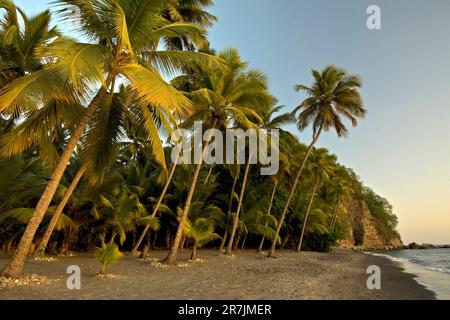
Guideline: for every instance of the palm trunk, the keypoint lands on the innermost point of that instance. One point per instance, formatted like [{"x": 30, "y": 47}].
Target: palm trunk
[
  {"x": 157, "y": 205},
  {"x": 230, "y": 204},
  {"x": 48, "y": 232},
  {"x": 183, "y": 241},
  {"x": 194, "y": 252},
  {"x": 316, "y": 184},
  {"x": 14, "y": 268},
  {"x": 243, "y": 242},
  {"x": 238, "y": 239},
  {"x": 208, "y": 175},
  {"x": 291, "y": 194},
  {"x": 103, "y": 269},
  {"x": 238, "y": 210},
  {"x": 269, "y": 210},
  {"x": 171, "y": 257},
  {"x": 154, "y": 240},
  {"x": 336, "y": 212},
  {"x": 224, "y": 239}
]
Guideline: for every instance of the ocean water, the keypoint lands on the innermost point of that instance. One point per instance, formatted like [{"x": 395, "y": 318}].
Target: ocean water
[{"x": 432, "y": 267}]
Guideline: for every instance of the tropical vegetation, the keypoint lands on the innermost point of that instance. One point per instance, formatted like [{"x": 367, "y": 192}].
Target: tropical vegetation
[{"x": 86, "y": 123}]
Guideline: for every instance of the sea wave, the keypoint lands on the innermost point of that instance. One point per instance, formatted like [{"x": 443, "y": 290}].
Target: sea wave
[
  {"x": 436, "y": 279},
  {"x": 396, "y": 259},
  {"x": 443, "y": 270}
]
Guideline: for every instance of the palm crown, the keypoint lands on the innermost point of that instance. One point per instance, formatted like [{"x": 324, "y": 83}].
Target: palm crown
[{"x": 333, "y": 95}]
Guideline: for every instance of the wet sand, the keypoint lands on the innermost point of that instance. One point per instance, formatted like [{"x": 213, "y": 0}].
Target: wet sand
[{"x": 339, "y": 275}]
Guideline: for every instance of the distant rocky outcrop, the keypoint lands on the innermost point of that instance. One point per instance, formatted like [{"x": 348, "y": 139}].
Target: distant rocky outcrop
[
  {"x": 362, "y": 231},
  {"x": 416, "y": 246}
]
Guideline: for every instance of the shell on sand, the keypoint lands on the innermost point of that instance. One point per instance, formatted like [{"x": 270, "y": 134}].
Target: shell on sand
[{"x": 29, "y": 280}]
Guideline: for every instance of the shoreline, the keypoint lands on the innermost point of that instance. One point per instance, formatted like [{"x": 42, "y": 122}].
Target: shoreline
[
  {"x": 433, "y": 280},
  {"x": 339, "y": 275}
]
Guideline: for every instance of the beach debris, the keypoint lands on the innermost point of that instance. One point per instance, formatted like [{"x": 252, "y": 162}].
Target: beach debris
[
  {"x": 69, "y": 254},
  {"x": 110, "y": 276},
  {"x": 198, "y": 260},
  {"x": 29, "y": 280},
  {"x": 47, "y": 259},
  {"x": 157, "y": 264}
]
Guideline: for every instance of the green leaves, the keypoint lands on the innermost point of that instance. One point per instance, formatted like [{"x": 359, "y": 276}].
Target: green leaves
[
  {"x": 78, "y": 63},
  {"x": 201, "y": 231},
  {"x": 153, "y": 222},
  {"x": 333, "y": 94},
  {"x": 107, "y": 254},
  {"x": 151, "y": 88}
]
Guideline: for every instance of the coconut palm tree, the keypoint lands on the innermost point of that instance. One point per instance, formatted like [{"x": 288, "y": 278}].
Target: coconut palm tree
[
  {"x": 341, "y": 191},
  {"x": 40, "y": 251},
  {"x": 21, "y": 36},
  {"x": 107, "y": 254},
  {"x": 100, "y": 144},
  {"x": 192, "y": 11},
  {"x": 220, "y": 95},
  {"x": 322, "y": 165},
  {"x": 156, "y": 206},
  {"x": 202, "y": 232},
  {"x": 238, "y": 210},
  {"x": 123, "y": 34},
  {"x": 234, "y": 172},
  {"x": 333, "y": 95},
  {"x": 269, "y": 211},
  {"x": 255, "y": 220},
  {"x": 269, "y": 123}
]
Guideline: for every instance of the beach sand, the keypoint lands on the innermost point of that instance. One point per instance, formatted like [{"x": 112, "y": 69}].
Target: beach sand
[{"x": 292, "y": 276}]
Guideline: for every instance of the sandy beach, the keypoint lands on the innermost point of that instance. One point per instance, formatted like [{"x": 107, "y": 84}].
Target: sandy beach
[{"x": 331, "y": 276}]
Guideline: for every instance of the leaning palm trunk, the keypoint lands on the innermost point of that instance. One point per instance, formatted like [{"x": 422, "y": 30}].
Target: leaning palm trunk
[
  {"x": 299, "y": 247},
  {"x": 48, "y": 232},
  {"x": 157, "y": 205},
  {"x": 261, "y": 244},
  {"x": 194, "y": 252},
  {"x": 172, "y": 256},
  {"x": 208, "y": 175},
  {"x": 291, "y": 194},
  {"x": 14, "y": 268},
  {"x": 243, "y": 241},
  {"x": 238, "y": 210},
  {"x": 230, "y": 204},
  {"x": 336, "y": 212}
]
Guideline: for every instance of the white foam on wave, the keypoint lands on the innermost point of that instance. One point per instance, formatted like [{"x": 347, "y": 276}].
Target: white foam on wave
[
  {"x": 443, "y": 270},
  {"x": 386, "y": 256}
]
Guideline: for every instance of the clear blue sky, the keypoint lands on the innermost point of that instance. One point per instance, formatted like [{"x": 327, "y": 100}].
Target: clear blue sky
[{"x": 402, "y": 148}]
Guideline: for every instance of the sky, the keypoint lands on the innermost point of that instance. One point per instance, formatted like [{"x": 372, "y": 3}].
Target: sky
[{"x": 401, "y": 149}]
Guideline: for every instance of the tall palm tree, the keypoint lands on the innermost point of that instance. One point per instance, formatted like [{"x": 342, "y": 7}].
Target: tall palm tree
[
  {"x": 255, "y": 219},
  {"x": 156, "y": 206},
  {"x": 100, "y": 144},
  {"x": 269, "y": 123},
  {"x": 40, "y": 251},
  {"x": 269, "y": 211},
  {"x": 334, "y": 94},
  {"x": 341, "y": 191},
  {"x": 220, "y": 95},
  {"x": 321, "y": 164},
  {"x": 123, "y": 34},
  {"x": 238, "y": 210},
  {"x": 235, "y": 172}
]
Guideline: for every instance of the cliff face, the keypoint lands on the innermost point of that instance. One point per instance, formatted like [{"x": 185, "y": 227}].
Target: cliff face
[{"x": 361, "y": 229}]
